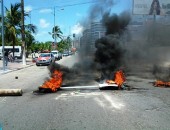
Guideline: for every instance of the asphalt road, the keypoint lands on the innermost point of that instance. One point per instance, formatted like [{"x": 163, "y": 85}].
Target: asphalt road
[{"x": 143, "y": 108}]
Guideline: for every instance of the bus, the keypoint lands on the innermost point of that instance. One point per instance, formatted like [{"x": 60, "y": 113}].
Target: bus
[{"x": 17, "y": 51}]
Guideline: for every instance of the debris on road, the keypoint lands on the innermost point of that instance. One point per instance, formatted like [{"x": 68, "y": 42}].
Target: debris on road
[
  {"x": 160, "y": 83},
  {"x": 53, "y": 83},
  {"x": 11, "y": 92},
  {"x": 117, "y": 82}
]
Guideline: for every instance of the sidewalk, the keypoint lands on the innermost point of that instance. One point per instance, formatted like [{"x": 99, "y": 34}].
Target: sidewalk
[{"x": 16, "y": 65}]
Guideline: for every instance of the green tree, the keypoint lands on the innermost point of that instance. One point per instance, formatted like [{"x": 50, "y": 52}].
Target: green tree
[
  {"x": 14, "y": 25},
  {"x": 12, "y": 21},
  {"x": 29, "y": 39},
  {"x": 56, "y": 33},
  {"x": 41, "y": 46},
  {"x": 69, "y": 41},
  {"x": 64, "y": 44}
]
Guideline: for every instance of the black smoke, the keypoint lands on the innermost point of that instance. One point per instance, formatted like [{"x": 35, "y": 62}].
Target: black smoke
[
  {"x": 115, "y": 24},
  {"x": 110, "y": 51},
  {"x": 79, "y": 74},
  {"x": 107, "y": 58}
]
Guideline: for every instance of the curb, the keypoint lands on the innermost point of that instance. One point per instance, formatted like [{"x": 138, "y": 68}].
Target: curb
[{"x": 15, "y": 69}]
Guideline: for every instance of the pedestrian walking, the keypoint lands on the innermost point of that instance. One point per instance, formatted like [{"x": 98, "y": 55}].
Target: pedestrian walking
[
  {"x": 33, "y": 55},
  {"x": 6, "y": 57},
  {"x": 10, "y": 56}
]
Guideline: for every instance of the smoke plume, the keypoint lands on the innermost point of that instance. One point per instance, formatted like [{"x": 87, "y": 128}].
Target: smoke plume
[
  {"x": 148, "y": 49},
  {"x": 143, "y": 52},
  {"x": 110, "y": 52}
]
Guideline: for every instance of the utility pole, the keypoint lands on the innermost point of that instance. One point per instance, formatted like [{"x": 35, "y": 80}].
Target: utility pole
[
  {"x": 54, "y": 33},
  {"x": 23, "y": 33},
  {"x": 54, "y": 28},
  {"x": 2, "y": 20}
]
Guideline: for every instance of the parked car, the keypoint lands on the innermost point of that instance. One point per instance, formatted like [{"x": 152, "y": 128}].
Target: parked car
[
  {"x": 45, "y": 59},
  {"x": 57, "y": 54},
  {"x": 66, "y": 53},
  {"x": 70, "y": 53},
  {"x": 60, "y": 55}
]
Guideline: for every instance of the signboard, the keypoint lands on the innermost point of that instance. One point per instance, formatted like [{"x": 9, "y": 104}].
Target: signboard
[
  {"x": 54, "y": 45},
  {"x": 151, "y": 7}
]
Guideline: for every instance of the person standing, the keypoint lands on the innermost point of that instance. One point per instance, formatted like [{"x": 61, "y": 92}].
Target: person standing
[
  {"x": 10, "y": 56},
  {"x": 6, "y": 57}
]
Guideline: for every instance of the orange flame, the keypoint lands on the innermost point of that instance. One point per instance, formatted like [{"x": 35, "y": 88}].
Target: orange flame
[
  {"x": 119, "y": 78},
  {"x": 160, "y": 83},
  {"x": 54, "y": 82}
]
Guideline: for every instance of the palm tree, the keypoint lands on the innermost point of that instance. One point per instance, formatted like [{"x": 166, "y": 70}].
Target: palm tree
[
  {"x": 31, "y": 28},
  {"x": 69, "y": 40},
  {"x": 14, "y": 26},
  {"x": 12, "y": 21},
  {"x": 29, "y": 39},
  {"x": 56, "y": 32}
]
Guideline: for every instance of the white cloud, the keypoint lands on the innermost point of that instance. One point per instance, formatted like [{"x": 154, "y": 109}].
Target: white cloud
[
  {"x": 28, "y": 8},
  {"x": 77, "y": 29},
  {"x": 46, "y": 11},
  {"x": 42, "y": 33},
  {"x": 44, "y": 23}
]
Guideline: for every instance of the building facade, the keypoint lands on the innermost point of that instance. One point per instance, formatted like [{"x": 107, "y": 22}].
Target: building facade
[{"x": 90, "y": 35}]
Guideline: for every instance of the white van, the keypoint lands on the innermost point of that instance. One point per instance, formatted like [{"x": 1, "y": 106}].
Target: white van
[
  {"x": 56, "y": 54},
  {"x": 17, "y": 51}
]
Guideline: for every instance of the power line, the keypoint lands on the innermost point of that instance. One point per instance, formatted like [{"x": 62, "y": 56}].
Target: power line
[
  {"x": 66, "y": 5},
  {"x": 82, "y": 3},
  {"x": 71, "y": 1}
]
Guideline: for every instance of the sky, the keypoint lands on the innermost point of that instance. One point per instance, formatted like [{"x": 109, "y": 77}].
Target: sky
[{"x": 68, "y": 14}]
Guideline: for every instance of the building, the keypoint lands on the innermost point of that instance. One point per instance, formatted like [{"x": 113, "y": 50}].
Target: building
[{"x": 90, "y": 35}]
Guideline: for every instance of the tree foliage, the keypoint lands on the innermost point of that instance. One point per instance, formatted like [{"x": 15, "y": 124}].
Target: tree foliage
[
  {"x": 56, "y": 32},
  {"x": 13, "y": 32}
]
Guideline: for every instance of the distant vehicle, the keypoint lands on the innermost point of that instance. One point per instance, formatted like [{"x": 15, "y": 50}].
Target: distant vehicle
[
  {"x": 17, "y": 51},
  {"x": 60, "y": 55},
  {"x": 57, "y": 54},
  {"x": 45, "y": 59},
  {"x": 66, "y": 53},
  {"x": 70, "y": 53}
]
